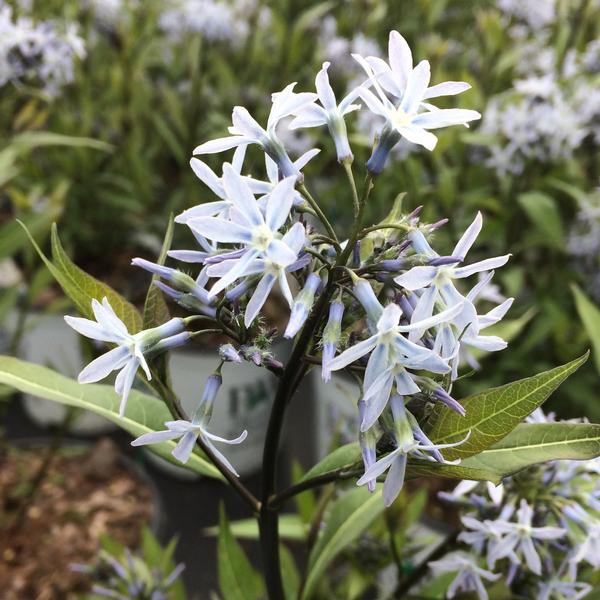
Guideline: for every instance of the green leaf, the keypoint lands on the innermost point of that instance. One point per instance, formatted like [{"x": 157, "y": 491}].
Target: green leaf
[
  {"x": 81, "y": 287},
  {"x": 589, "y": 313},
  {"x": 533, "y": 443},
  {"x": 291, "y": 528},
  {"x": 423, "y": 468},
  {"x": 237, "y": 579},
  {"x": 11, "y": 235},
  {"x": 348, "y": 517},
  {"x": 156, "y": 310},
  {"x": 343, "y": 458},
  {"x": 306, "y": 502},
  {"x": 35, "y": 139},
  {"x": 144, "y": 413},
  {"x": 87, "y": 287},
  {"x": 289, "y": 574},
  {"x": 543, "y": 213},
  {"x": 493, "y": 414}
]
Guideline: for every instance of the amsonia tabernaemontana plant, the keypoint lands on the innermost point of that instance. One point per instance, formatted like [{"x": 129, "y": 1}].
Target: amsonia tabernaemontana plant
[{"x": 382, "y": 305}]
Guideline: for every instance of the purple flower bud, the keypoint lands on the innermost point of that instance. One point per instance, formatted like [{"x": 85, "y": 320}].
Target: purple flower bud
[
  {"x": 302, "y": 306},
  {"x": 440, "y": 261},
  {"x": 438, "y": 224},
  {"x": 443, "y": 396},
  {"x": 356, "y": 254},
  {"x": 368, "y": 444},
  {"x": 407, "y": 308},
  {"x": 229, "y": 353},
  {"x": 331, "y": 337},
  {"x": 203, "y": 411},
  {"x": 186, "y": 300},
  {"x": 180, "y": 280},
  {"x": 169, "y": 343},
  {"x": 415, "y": 213},
  {"x": 393, "y": 265},
  {"x": 389, "y": 138},
  {"x": 239, "y": 290}
]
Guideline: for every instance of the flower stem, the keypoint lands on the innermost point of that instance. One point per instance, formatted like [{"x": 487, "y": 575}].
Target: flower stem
[
  {"x": 288, "y": 383},
  {"x": 315, "y": 206}
]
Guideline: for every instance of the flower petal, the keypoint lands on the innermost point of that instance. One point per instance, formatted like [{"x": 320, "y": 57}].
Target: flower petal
[
  {"x": 221, "y": 230},
  {"x": 416, "y": 85},
  {"x": 222, "y": 144},
  {"x": 448, "y": 88},
  {"x": 259, "y": 297},
  {"x": 353, "y": 353},
  {"x": 483, "y": 265},
  {"x": 207, "y": 176},
  {"x": 445, "y": 117},
  {"x": 394, "y": 480},
  {"x": 110, "y": 361},
  {"x": 280, "y": 203},
  {"x": 400, "y": 57}
]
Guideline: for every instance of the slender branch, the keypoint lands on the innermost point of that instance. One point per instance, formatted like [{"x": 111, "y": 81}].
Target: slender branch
[
  {"x": 174, "y": 405},
  {"x": 315, "y": 206},
  {"x": 290, "y": 380},
  {"x": 278, "y": 499},
  {"x": 234, "y": 481},
  {"x": 367, "y": 230},
  {"x": 355, "y": 198}
]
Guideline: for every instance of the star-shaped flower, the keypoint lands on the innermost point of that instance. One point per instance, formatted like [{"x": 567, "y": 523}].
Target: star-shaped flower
[{"x": 130, "y": 352}]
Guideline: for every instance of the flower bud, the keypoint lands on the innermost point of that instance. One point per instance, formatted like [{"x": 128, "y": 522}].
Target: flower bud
[
  {"x": 181, "y": 281},
  {"x": 368, "y": 443},
  {"x": 203, "y": 411},
  {"x": 228, "y": 353},
  {"x": 331, "y": 337},
  {"x": 389, "y": 138},
  {"x": 302, "y": 305}
]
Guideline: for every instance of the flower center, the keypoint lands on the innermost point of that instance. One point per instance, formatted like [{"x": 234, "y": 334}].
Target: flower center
[
  {"x": 261, "y": 237},
  {"x": 400, "y": 118}
]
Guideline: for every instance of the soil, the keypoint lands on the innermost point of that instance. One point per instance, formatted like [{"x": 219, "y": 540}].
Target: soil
[{"x": 87, "y": 493}]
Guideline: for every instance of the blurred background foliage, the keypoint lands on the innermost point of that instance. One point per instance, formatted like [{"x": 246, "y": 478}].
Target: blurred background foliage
[{"x": 100, "y": 112}]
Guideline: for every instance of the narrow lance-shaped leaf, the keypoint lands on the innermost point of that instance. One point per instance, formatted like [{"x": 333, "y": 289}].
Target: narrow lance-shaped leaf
[
  {"x": 237, "y": 579},
  {"x": 493, "y": 414},
  {"x": 348, "y": 517},
  {"x": 533, "y": 443},
  {"x": 589, "y": 314},
  {"x": 91, "y": 288},
  {"x": 156, "y": 311},
  {"x": 144, "y": 413},
  {"x": 82, "y": 288}
]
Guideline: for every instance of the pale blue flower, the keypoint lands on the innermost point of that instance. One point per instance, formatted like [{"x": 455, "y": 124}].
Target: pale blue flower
[
  {"x": 555, "y": 589},
  {"x": 328, "y": 113},
  {"x": 586, "y": 547},
  {"x": 519, "y": 538},
  {"x": 406, "y": 429},
  {"x": 469, "y": 575},
  {"x": 188, "y": 432},
  {"x": 131, "y": 350},
  {"x": 265, "y": 251},
  {"x": 391, "y": 352},
  {"x": 434, "y": 286},
  {"x": 412, "y": 116},
  {"x": 246, "y": 130}
]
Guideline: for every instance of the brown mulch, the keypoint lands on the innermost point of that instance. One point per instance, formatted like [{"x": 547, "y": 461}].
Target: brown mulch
[{"x": 87, "y": 493}]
